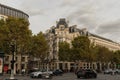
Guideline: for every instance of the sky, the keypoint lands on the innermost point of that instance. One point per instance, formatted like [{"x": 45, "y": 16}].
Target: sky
[{"x": 100, "y": 17}]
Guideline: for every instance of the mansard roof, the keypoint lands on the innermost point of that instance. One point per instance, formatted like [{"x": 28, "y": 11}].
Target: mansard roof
[
  {"x": 94, "y": 35},
  {"x": 62, "y": 21}
]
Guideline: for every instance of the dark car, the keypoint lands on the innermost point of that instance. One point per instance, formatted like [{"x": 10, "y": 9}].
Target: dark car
[
  {"x": 86, "y": 73},
  {"x": 57, "y": 72}
]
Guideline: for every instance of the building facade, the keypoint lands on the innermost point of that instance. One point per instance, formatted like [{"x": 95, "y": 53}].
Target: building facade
[
  {"x": 21, "y": 60},
  {"x": 63, "y": 32}
]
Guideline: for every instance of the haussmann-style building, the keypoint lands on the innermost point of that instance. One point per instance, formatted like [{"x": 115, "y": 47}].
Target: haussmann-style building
[{"x": 63, "y": 32}]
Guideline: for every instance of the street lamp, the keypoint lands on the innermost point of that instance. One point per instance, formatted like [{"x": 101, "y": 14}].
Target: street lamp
[
  {"x": 13, "y": 48},
  {"x": 12, "y": 61}
]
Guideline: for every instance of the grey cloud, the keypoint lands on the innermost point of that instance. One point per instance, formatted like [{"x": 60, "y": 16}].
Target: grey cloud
[
  {"x": 95, "y": 15},
  {"x": 34, "y": 8},
  {"x": 87, "y": 17},
  {"x": 34, "y": 12},
  {"x": 68, "y": 3},
  {"x": 84, "y": 16},
  {"x": 110, "y": 30},
  {"x": 71, "y": 3},
  {"x": 40, "y": 7},
  {"x": 109, "y": 27}
]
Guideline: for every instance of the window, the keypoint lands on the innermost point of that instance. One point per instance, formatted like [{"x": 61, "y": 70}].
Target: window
[
  {"x": 23, "y": 66},
  {"x": 16, "y": 58},
  {"x": 7, "y": 58},
  {"x": 62, "y": 27},
  {"x": 23, "y": 59}
]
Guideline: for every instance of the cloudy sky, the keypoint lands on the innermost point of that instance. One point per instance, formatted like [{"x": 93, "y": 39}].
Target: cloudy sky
[{"x": 101, "y": 17}]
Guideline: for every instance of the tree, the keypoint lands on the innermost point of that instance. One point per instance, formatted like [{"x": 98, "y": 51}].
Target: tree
[
  {"x": 93, "y": 53},
  {"x": 116, "y": 58},
  {"x": 76, "y": 54},
  {"x": 103, "y": 54},
  {"x": 3, "y": 44},
  {"x": 81, "y": 46},
  {"x": 17, "y": 30},
  {"x": 81, "y": 42},
  {"x": 64, "y": 51},
  {"x": 40, "y": 48}
]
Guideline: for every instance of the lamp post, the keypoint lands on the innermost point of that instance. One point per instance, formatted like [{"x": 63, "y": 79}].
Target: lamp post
[
  {"x": 12, "y": 61},
  {"x": 13, "y": 48}
]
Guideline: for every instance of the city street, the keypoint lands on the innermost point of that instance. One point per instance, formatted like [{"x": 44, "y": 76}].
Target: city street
[{"x": 66, "y": 76}]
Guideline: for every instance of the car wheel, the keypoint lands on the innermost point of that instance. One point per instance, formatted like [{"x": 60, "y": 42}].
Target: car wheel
[
  {"x": 50, "y": 76},
  {"x": 86, "y": 76},
  {"x": 60, "y": 74},
  {"x": 95, "y": 76},
  {"x": 78, "y": 76},
  {"x": 39, "y": 76},
  {"x": 31, "y": 76}
]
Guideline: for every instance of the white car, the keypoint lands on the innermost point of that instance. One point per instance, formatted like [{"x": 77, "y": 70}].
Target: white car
[
  {"x": 117, "y": 71},
  {"x": 112, "y": 71},
  {"x": 41, "y": 74},
  {"x": 108, "y": 71}
]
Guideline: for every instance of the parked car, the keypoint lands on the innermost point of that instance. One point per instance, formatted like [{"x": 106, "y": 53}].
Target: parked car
[
  {"x": 112, "y": 71},
  {"x": 117, "y": 71},
  {"x": 108, "y": 71},
  {"x": 57, "y": 72},
  {"x": 86, "y": 73},
  {"x": 41, "y": 74},
  {"x": 32, "y": 70}
]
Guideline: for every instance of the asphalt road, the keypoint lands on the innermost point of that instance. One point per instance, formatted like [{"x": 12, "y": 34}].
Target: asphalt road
[{"x": 66, "y": 76}]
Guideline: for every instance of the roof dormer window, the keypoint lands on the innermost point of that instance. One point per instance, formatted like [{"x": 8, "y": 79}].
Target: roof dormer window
[{"x": 62, "y": 27}]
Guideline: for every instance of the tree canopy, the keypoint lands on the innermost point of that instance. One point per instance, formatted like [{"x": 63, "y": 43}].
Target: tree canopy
[
  {"x": 14, "y": 29},
  {"x": 64, "y": 51},
  {"x": 40, "y": 47},
  {"x": 81, "y": 45}
]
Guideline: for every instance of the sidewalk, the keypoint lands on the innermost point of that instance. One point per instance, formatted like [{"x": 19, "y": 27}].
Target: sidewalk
[{"x": 14, "y": 75}]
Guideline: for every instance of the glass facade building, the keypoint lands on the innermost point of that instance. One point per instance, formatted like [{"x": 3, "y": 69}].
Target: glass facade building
[{"x": 12, "y": 12}]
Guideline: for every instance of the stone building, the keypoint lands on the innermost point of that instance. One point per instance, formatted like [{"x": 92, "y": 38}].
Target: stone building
[{"x": 63, "y": 32}]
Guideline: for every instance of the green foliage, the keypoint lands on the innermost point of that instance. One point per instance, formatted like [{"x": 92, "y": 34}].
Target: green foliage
[
  {"x": 39, "y": 46},
  {"x": 75, "y": 54},
  {"x": 81, "y": 46},
  {"x": 14, "y": 29},
  {"x": 103, "y": 54},
  {"x": 93, "y": 53},
  {"x": 81, "y": 42},
  {"x": 116, "y": 57},
  {"x": 64, "y": 51}
]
